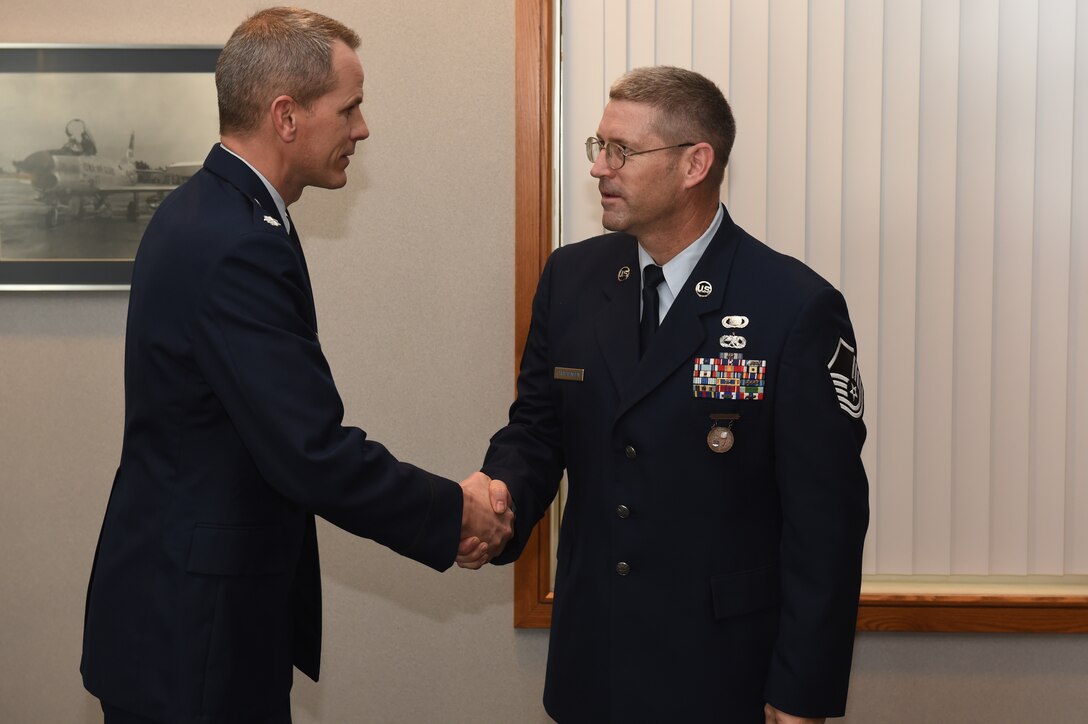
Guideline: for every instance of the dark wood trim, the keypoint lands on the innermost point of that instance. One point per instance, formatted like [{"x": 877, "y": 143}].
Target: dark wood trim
[
  {"x": 534, "y": 33},
  {"x": 976, "y": 614},
  {"x": 533, "y": 27}
]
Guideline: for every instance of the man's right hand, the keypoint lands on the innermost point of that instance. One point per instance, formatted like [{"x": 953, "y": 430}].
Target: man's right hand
[{"x": 487, "y": 522}]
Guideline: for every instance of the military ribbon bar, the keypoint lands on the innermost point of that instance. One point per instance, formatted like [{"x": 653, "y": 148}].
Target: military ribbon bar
[{"x": 729, "y": 377}]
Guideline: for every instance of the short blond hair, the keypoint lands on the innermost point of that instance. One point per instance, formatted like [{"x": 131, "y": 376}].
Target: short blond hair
[
  {"x": 277, "y": 51},
  {"x": 690, "y": 109}
]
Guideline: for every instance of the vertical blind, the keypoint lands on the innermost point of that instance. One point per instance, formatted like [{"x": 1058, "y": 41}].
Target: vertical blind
[{"x": 930, "y": 159}]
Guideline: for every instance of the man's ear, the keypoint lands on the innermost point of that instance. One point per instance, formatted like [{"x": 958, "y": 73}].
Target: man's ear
[
  {"x": 699, "y": 159},
  {"x": 285, "y": 112}
]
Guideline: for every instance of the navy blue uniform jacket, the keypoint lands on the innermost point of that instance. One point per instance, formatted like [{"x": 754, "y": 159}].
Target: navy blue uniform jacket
[
  {"x": 205, "y": 587},
  {"x": 691, "y": 585}
]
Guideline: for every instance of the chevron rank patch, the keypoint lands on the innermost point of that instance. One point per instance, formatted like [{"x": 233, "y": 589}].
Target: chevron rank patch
[
  {"x": 846, "y": 379},
  {"x": 729, "y": 377}
]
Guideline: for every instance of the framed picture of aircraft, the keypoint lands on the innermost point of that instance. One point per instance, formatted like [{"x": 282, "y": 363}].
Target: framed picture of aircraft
[{"x": 92, "y": 139}]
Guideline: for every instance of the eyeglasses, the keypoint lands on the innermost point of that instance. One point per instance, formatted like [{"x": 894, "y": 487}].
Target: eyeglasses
[{"x": 616, "y": 155}]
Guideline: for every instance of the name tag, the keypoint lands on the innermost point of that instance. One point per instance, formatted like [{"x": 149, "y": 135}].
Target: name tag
[{"x": 570, "y": 374}]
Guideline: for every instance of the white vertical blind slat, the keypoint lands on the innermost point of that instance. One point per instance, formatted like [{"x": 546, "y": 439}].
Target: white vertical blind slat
[
  {"x": 787, "y": 120},
  {"x": 823, "y": 170},
  {"x": 862, "y": 106},
  {"x": 973, "y": 311},
  {"x": 673, "y": 37},
  {"x": 641, "y": 48},
  {"x": 748, "y": 183},
  {"x": 615, "y": 46},
  {"x": 710, "y": 50},
  {"x": 894, "y": 435},
  {"x": 1018, "y": 29},
  {"x": 936, "y": 283},
  {"x": 1050, "y": 287},
  {"x": 1076, "y": 484}
]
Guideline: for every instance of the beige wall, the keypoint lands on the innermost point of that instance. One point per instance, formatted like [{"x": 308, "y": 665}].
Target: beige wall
[{"x": 414, "y": 258}]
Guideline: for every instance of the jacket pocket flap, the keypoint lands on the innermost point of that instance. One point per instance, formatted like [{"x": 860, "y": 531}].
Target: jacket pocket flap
[
  {"x": 223, "y": 550},
  {"x": 745, "y": 591}
]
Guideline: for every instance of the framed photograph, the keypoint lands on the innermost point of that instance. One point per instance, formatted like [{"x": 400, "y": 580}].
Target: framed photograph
[{"x": 92, "y": 138}]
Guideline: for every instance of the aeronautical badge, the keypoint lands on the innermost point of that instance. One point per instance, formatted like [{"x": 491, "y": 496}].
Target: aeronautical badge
[
  {"x": 271, "y": 221},
  {"x": 847, "y": 380},
  {"x": 729, "y": 377}
]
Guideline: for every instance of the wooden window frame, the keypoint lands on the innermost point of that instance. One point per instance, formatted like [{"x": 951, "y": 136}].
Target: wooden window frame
[{"x": 534, "y": 48}]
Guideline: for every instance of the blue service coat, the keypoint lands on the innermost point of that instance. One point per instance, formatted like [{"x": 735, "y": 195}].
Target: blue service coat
[
  {"x": 692, "y": 585},
  {"x": 206, "y": 586}
]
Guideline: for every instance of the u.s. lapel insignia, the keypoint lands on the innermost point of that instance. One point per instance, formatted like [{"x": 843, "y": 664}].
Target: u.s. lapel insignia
[
  {"x": 846, "y": 379},
  {"x": 732, "y": 341},
  {"x": 271, "y": 221},
  {"x": 624, "y": 274},
  {"x": 734, "y": 321},
  {"x": 703, "y": 289}
]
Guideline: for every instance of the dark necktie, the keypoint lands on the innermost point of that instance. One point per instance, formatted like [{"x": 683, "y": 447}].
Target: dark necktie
[{"x": 652, "y": 276}]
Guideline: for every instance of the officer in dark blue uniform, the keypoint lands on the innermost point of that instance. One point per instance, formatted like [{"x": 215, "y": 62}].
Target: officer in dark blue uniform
[
  {"x": 702, "y": 393},
  {"x": 206, "y": 586}
]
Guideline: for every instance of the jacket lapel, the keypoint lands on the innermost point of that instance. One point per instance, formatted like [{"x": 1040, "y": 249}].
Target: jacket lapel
[
  {"x": 305, "y": 273},
  {"x": 683, "y": 330},
  {"x": 234, "y": 171},
  {"x": 617, "y": 322}
]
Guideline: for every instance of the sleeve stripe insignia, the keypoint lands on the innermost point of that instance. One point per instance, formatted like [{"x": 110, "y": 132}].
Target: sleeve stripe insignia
[{"x": 846, "y": 379}]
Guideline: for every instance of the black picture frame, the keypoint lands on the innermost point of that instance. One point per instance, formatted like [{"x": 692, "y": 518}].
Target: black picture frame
[{"x": 70, "y": 221}]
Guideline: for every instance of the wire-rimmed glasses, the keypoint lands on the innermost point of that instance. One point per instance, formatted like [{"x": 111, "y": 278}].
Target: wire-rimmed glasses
[{"x": 616, "y": 155}]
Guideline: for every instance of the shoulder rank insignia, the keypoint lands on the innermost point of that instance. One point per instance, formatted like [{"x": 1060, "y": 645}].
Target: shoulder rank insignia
[
  {"x": 846, "y": 379},
  {"x": 271, "y": 221},
  {"x": 729, "y": 377}
]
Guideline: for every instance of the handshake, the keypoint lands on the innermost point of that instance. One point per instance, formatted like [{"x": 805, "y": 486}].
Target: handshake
[{"x": 487, "y": 521}]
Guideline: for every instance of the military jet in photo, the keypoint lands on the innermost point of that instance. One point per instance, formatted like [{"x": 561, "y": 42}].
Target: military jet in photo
[{"x": 73, "y": 179}]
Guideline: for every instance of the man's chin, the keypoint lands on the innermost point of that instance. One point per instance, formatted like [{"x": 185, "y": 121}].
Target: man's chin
[
  {"x": 333, "y": 183},
  {"x": 612, "y": 223}
]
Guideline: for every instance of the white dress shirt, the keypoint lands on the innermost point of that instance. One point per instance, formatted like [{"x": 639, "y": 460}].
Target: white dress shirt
[{"x": 679, "y": 268}]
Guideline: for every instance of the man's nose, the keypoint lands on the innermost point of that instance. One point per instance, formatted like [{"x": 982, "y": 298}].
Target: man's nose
[
  {"x": 600, "y": 167},
  {"x": 360, "y": 131}
]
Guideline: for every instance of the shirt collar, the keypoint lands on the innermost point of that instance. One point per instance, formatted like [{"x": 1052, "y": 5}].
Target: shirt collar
[
  {"x": 276, "y": 198},
  {"x": 679, "y": 268}
]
